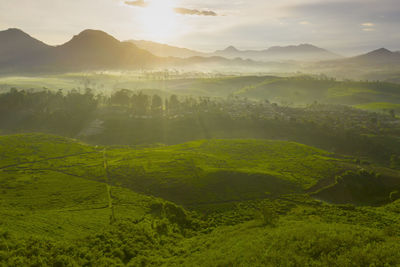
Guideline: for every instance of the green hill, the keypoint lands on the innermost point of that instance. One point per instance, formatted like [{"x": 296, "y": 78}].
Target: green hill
[
  {"x": 191, "y": 173},
  {"x": 247, "y": 199},
  {"x": 55, "y": 187}
]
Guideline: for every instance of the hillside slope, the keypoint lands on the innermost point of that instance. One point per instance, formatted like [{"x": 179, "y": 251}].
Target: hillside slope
[
  {"x": 57, "y": 207},
  {"x": 192, "y": 173},
  {"x": 41, "y": 198}
]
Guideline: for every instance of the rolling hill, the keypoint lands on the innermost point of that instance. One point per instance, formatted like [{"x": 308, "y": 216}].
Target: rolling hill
[
  {"x": 64, "y": 203},
  {"x": 190, "y": 174}
]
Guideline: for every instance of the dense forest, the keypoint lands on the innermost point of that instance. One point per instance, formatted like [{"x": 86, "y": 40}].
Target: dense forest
[{"x": 135, "y": 118}]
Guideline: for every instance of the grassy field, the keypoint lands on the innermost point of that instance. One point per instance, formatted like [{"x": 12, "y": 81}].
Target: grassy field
[
  {"x": 380, "y": 107},
  {"x": 191, "y": 173}
]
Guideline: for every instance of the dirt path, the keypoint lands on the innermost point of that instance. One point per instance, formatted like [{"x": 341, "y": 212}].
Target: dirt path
[
  {"x": 108, "y": 187},
  {"x": 46, "y": 159}
]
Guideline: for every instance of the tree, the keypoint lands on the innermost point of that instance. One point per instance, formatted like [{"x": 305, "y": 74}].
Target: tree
[
  {"x": 395, "y": 162},
  {"x": 392, "y": 113},
  {"x": 141, "y": 104},
  {"x": 121, "y": 98},
  {"x": 173, "y": 104},
  {"x": 156, "y": 105}
]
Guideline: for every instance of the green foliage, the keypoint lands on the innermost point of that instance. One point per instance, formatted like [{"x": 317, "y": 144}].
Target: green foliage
[
  {"x": 394, "y": 195},
  {"x": 268, "y": 216},
  {"x": 360, "y": 187},
  {"x": 395, "y": 162},
  {"x": 55, "y": 205}
]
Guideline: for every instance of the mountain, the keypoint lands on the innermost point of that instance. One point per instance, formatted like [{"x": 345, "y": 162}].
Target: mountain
[
  {"x": 377, "y": 57},
  {"x": 231, "y": 52},
  {"x": 303, "y": 52},
  {"x": 17, "y": 47},
  {"x": 164, "y": 50},
  {"x": 96, "y": 49},
  {"x": 91, "y": 49}
]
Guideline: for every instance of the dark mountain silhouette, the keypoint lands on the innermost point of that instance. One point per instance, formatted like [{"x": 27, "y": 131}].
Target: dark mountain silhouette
[
  {"x": 97, "y": 50},
  {"x": 89, "y": 50},
  {"x": 92, "y": 49},
  {"x": 17, "y": 47}
]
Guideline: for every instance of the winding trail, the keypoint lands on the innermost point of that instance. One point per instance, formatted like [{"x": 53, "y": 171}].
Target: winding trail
[
  {"x": 108, "y": 187},
  {"x": 46, "y": 159}
]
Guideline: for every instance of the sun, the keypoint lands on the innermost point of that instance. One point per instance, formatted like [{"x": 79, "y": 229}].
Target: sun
[{"x": 158, "y": 20}]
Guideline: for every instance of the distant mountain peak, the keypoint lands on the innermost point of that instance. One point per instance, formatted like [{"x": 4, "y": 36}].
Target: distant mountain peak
[
  {"x": 14, "y": 30},
  {"x": 92, "y": 37},
  {"x": 91, "y": 32},
  {"x": 307, "y": 45},
  {"x": 231, "y": 49},
  {"x": 377, "y": 57},
  {"x": 297, "y": 48},
  {"x": 381, "y": 51},
  {"x": 95, "y": 34}
]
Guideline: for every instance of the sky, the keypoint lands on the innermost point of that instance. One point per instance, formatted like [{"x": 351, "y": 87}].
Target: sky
[{"x": 346, "y": 27}]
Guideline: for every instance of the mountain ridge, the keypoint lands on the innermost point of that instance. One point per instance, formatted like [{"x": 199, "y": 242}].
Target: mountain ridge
[{"x": 97, "y": 50}]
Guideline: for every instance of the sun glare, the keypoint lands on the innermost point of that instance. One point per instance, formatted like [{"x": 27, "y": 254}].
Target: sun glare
[{"x": 159, "y": 20}]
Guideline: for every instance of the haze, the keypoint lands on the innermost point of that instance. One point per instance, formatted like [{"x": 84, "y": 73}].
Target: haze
[{"x": 346, "y": 27}]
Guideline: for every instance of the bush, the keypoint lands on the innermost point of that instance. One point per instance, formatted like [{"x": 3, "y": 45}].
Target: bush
[{"x": 268, "y": 216}]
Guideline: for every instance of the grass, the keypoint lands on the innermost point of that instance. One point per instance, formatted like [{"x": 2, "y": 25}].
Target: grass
[
  {"x": 222, "y": 170},
  {"x": 308, "y": 233},
  {"x": 54, "y": 187},
  {"x": 248, "y": 195},
  {"x": 193, "y": 173},
  {"x": 381, "y": 107},
  {"x": 204, "y": 171}
]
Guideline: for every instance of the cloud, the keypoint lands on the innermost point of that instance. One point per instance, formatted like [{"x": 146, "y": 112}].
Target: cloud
[
  {"x": 368, "y": 24},
  {"x": 138, "y": 3},
  {"x": 178, "y": 10},
  {"x": 196, "y": 12},
  {"x": 304, "y": 22},
  {"x": 368, "y": 29}
]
